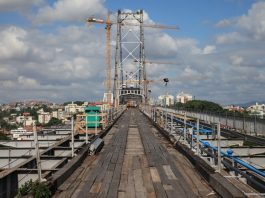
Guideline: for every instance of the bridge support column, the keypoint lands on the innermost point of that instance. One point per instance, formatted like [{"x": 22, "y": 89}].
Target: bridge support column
[
  {"x": 166, "y": 123},
  {"x": 72, "y": 132},
  {"x": 191, "y": 140},
  {"x": 171, "y": 128},
  {"x": 185, "y": 127},
  {"x": 198, "y": 136},
  {"x": 219, "y": 146}
]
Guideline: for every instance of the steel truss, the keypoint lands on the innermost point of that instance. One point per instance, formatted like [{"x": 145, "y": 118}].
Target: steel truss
[{"x": 130, "y": 79}]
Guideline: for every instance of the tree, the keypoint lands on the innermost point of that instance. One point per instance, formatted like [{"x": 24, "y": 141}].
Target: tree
[
  {"x": 200, "y": 105},
  {"x": 79, "y": 103},
  {"x": 34, "y": 188},
  {"x": 31, "y": 111},
  {"x": 3, "y": 137},
  {"x": 7, "y": 126},
  {"x": 53, "y": 122},
  {"x": 45, "y": 108}
]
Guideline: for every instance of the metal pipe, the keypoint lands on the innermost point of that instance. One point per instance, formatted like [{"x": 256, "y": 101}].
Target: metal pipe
[{"x": 237, "y": 160}]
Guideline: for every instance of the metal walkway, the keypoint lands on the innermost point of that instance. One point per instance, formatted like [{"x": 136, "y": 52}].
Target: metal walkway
[{"x": 135, "y": 162}]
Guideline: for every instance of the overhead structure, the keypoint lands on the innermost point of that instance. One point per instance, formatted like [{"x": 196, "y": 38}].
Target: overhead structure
[{"x": 129, "y": 46}]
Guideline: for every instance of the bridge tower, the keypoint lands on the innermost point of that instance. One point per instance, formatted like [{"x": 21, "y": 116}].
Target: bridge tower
[{"x": 129, "y": 78}]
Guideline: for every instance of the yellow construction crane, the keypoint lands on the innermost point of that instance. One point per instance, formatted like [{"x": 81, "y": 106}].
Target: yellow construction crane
[
  {"x": 153, "y": 80},
  {"x": 158, "y": 62},
  {"x": 108, "y": 24}
]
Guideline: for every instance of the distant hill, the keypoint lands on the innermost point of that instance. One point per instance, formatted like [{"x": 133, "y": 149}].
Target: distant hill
[{"x": 247, "y": 104}]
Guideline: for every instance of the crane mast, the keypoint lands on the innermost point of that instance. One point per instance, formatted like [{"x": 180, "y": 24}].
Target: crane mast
[
  {"x": 108, "y": 55},
  {"x": 108, "y": 95}
]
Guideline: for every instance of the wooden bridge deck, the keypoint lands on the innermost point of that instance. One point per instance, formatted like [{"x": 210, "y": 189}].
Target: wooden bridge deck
[{"x": 135, "y": 162}]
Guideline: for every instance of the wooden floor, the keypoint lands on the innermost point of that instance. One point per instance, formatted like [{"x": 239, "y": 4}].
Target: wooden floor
[{"x": 135, "y": 162}]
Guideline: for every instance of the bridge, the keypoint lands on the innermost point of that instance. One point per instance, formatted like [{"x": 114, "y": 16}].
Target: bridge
[
  {"x": 145, "y": 154},
  {"x": 148, "y": 151},
  {"x": 136, "y": 161}
]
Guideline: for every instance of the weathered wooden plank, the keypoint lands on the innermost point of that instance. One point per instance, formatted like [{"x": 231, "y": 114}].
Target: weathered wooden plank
[
  {"x": 130, "y": 189},
  {"x": 95, "y": 187},
  {"x": 148, "y": 184},
  {"x": 115, "y": 156},
  {"x": 182, "y": 191},
  {"x": 138, "y": 180},
  {"x": 71, "y": 179},
  {"x": 124, "y": 175},
  {"x": 105, "y": 185},
  {"x": 169, "y": 172},
  {"x": 113, "y": 191},
  {"x": 162, "y": 174},
  {"x": 122, "y": 195},
  {"x": 155, "y": 175},
  {"x": 159, "y": 190},
  {"x": 136, "y": 162}
]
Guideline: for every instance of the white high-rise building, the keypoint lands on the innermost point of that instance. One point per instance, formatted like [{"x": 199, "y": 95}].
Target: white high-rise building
[
  {"x": 257, "y": 109},
  {"x": 183, "y": 97},
  {"x": 44, "y": 117},
  {"x": 108, "y": 97},
  {"x": 74, "y": 108},
  {"x": 25, "y": 120},
  {"x": 166, "y": 100}
]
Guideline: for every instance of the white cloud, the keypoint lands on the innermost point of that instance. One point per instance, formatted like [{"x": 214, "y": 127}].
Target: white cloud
[
  {"x": 10, "y": 5},
  {"x": 7, "y": 73},
  {"x": 224, "y": 23},
  {"x": 33, "y": 62},
  {"x": 188, "y": 44},
  {"x": 12, "y": 42},
  {"x": 192, "y": 75},
  {"x": 161, "y": 45},
  {"x": 209, "y": 49},
  {"x": 254, "y": 21},
  {"x": 237, "y": 60},
  {"x": 230, "y": 38},
  {"x": 248, "y": 26},
  {"x": 27, "y": 82},
  {"x": 68, "y": 63},
  {"x": 70, "y": 10}
]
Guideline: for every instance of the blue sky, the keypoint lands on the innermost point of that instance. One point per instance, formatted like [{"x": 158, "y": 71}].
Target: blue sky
[
  {"x": 195, "y": 18},
  {"x": 47, "y": 52}
]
